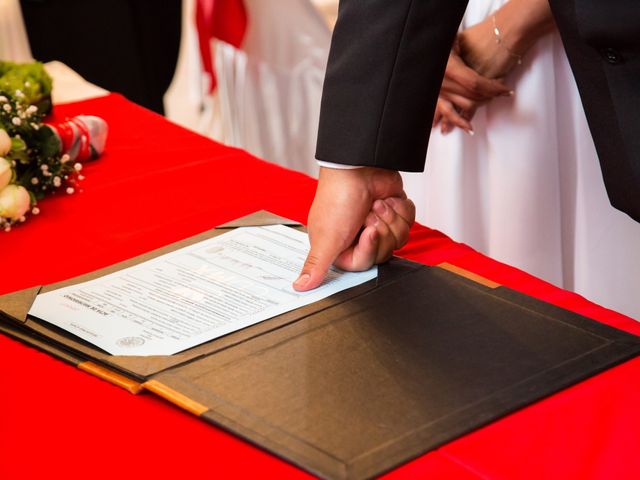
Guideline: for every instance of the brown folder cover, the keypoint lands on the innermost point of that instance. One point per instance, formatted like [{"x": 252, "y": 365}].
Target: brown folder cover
[{"x": 362, "y": 381}]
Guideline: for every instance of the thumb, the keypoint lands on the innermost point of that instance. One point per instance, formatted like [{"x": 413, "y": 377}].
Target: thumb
[{"x": 315, "y": 268}]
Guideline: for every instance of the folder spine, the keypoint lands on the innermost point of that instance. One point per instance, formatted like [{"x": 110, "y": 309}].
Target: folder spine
[
  {"x": 468, "y": 275},
  {"x": 112, "y": 377},
  {"x": 175, "y": 397}
]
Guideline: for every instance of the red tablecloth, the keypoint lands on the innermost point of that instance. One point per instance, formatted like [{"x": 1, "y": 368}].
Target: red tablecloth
[{"x": 158, "y": 183}]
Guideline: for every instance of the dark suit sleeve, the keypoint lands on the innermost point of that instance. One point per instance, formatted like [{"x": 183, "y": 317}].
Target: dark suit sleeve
[
  {"x": 385, "y": 69},
  {"x": 602, "y": 40}
]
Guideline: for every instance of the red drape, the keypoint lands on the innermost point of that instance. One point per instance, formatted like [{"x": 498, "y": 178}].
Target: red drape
[{"x": 225, "y": 20}]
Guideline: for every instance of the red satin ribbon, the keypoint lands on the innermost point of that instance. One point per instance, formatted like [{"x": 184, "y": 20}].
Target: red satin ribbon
[
  {"x": 225, "y": 20},
  {"x": 67, "y": 135},
  {"x": 85, "y": 142}
]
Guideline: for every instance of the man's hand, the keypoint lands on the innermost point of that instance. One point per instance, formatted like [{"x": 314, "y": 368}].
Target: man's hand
[{"x": 345, "y": 202}]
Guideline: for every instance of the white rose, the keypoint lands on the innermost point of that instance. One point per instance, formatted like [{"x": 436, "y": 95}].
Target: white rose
[
  {"x": 14, "y": 201},
  {"x": 5, "y": 142},
  {"x": 5, "y": 172}
]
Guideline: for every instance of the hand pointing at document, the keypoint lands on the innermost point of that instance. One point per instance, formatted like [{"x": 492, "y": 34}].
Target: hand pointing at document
[{"x": 368, "y": 201}]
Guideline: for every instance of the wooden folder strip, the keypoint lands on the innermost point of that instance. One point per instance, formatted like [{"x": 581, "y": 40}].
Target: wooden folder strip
[
  {"x": 469, "y": 275},
  {"x": 175, "y": 397},
  {"x": 112, "y": 377}
]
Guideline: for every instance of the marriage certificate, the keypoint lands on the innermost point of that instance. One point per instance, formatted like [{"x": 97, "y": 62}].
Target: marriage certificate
[{"x": 192, "y": 295}]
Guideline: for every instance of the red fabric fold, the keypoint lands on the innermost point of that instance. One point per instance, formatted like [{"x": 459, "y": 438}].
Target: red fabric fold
[{"x": 224, "y": 20}]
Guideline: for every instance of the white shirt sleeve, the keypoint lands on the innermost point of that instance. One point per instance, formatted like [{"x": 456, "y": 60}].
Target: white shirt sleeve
[{"x": 338, "y": 166}]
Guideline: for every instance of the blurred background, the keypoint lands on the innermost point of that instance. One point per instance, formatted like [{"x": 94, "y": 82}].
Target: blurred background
[{"x": 268, "y": 57}]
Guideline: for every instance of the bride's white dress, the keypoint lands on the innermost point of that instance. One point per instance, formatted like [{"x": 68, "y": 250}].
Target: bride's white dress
[
  {"x": 527, "y": 189},
  {"x": 14, "y": 45}
]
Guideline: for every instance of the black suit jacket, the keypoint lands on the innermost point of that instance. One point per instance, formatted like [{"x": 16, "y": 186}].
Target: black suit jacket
[{"x": 387, "y": 61}]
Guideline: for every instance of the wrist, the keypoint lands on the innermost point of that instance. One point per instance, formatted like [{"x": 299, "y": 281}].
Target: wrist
[
  {"x": 522, "y": 23},
  {"x": 375, "y": 181}
]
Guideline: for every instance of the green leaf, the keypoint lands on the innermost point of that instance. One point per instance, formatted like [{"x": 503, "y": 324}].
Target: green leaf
[
  {"x": 18, "y": 144},
  {"x": 48, "y": 141},
  {"x": 20, "y": 157}
]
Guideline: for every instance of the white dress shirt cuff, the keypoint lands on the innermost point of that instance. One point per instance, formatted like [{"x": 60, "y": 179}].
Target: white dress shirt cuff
[{"x": 338, "y": 166}]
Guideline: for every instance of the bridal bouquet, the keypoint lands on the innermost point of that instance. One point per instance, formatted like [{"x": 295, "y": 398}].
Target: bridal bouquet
[{"x": 36, "y": 158}]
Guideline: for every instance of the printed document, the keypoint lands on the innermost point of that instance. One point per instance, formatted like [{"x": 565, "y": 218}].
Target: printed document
[{"x": 192, "y": 295}]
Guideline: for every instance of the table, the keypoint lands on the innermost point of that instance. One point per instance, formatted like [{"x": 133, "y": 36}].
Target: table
[{"x": 158, "y": 183}]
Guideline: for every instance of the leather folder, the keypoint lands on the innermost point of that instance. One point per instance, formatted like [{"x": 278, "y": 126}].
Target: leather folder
[{"x": 360, "y": 382}]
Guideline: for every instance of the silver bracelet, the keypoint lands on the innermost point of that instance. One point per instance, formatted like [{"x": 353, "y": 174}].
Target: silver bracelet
[{"x": 500, "y": 42}]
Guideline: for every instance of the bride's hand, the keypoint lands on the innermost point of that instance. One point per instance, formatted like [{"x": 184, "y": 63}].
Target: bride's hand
[
  {"x": 498, "y": 43},
  {"x": 463, "y": 91},
  {"x": 481, "y": 51}
]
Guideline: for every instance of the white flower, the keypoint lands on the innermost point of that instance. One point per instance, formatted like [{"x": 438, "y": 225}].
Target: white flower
[
  {"x": 5, "y": 142},
  {"x": 35, "y": 210},
  {"x": 77, "y": 167},
  {"x": 19, "y": 94},
  {"x": 57, "y": 181},
  {"x": 14, "y": 202},
  {"x": 3, "y": 99},
  {"x": 6, "y": 107},
  {"x": 16, "y": 121},
  {"x": 32, "y": 109},
  {"x": 6, "y": 172},
  {"x": 70, "y": 190}
]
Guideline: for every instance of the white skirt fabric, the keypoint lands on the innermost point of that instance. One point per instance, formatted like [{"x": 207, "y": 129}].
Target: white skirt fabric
[
  {"x": 527, "y": 188},
  {"x": 268, "y": 94},
  {"x": 14, "y": 45}
]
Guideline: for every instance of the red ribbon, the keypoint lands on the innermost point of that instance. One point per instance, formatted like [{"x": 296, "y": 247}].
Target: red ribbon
[
  {"x": 85, "y": 142},
  {"x": 225, "y": 20},
  {"x": 68, "y": 136}
]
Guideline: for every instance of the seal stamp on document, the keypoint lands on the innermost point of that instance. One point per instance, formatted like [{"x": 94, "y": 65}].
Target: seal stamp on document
[{"x": 130, "y": 342}]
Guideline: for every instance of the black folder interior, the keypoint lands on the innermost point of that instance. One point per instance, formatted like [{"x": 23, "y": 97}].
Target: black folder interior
[{"x": 363, "y": 386}]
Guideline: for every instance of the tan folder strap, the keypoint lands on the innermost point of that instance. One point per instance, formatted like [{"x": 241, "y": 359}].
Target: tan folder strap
[
  {"x": 175, "y": 397},
  {"x": 110, "y": 376},
  {"x": 470, "y": 275}
]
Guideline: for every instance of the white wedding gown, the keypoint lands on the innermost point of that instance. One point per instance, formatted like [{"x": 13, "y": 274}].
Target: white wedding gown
[
  {"x": 14, "y": 45},
  {"x": 527, "y": 189},
  {"x": 268, "y": 96}
]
